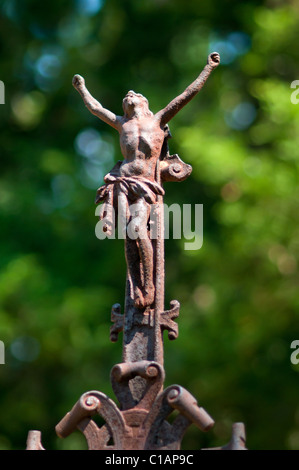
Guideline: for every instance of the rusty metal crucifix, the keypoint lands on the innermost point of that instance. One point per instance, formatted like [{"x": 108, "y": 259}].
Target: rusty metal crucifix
[{"x": 133, "y": 191}]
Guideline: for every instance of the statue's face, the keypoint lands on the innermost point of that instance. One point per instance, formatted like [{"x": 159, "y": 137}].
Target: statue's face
[{"x": 134, "y": 100}]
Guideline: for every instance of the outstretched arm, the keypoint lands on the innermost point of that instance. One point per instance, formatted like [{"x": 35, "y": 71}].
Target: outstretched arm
[
  {"x": 93, "y": 105},
  {"x": 166, "y": 114}
]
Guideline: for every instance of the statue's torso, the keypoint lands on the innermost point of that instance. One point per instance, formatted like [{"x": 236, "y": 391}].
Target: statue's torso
[{"x": 141, "y": 140}]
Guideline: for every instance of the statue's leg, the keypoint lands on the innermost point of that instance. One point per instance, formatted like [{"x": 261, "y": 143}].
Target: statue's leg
[
  {"x": 131, "y": 248},
  {"x": 138, "y": 230},
  {"x": 133, "y": 264},
  {"x": 146, "y": 255}
]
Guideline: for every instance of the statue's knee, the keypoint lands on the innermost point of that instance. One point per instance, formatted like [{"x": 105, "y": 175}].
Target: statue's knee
[
  {"x": 133, "y": 230},
  {"x": 136, "y": 227}
]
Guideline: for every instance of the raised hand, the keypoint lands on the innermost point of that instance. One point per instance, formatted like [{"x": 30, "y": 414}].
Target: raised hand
[
  {"x": 166, "y": 114},
  {"x": 214, "y": 59},
  {"x": 78, "y": 81},
  {"x": 95, "y": 106}
]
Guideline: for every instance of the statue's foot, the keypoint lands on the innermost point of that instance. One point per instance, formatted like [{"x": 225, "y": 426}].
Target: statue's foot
[
  {"x": 149, "y": 295},
  {"x": 145, "y": 298},
  {"x": 138, "y": 298}
]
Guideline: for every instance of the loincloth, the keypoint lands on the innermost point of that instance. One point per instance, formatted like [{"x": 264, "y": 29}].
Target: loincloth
[{"x": 133, "y": 187}]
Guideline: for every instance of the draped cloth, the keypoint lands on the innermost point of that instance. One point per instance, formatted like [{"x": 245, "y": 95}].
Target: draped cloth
[{"x": 133, "y": 187}]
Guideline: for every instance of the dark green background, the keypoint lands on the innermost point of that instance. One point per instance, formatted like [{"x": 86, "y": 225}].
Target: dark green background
[{"x": 239, "y": 292}]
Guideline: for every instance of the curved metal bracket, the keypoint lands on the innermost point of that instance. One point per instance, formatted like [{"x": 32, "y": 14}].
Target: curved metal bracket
[
  {"x": 174, "y": 397},
  {"x": 89, "y": 404},
  {"x": 167, "y": 317},
  {"x": 238, "y": 439},
  {"x": 150, "y": 371}
]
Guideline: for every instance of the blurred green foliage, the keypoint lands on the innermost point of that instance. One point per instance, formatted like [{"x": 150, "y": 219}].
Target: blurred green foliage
[{"x": 239, "y": 292}]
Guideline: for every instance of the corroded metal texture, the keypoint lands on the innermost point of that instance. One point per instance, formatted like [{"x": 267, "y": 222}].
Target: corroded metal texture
[
  {"x": 238, "y": 439},
  {"x": 136, "y": 425},
  {"x": 34, "y": 441},
  {"x": 133, "y": 190},
  {"x": 136, "y": 181}
]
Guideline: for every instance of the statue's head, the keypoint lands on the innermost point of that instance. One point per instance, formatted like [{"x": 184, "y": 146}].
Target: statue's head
[{"x": 135, "y": 102}]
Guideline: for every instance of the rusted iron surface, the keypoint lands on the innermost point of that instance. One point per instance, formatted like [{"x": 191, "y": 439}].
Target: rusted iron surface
[
  {"x": 34, "y": 441},
  {"x": 140, "y": 420},
  {"x": 238, "y": 439},
  {"x": 143, "y": 143},
  {"x": 136, "y": 425},
  {"x": 137, "y": 181}
]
